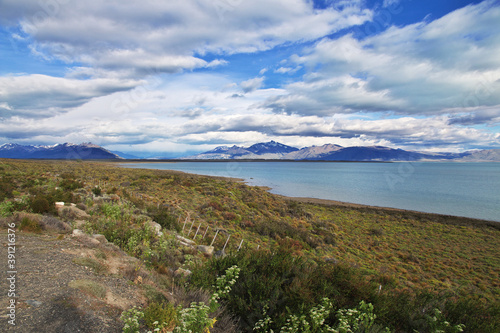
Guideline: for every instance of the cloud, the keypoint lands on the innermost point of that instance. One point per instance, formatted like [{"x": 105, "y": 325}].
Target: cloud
[
  {"x": 425, "y": 68},
  {"x": 252, "y": 84},
  {"x": 44, "y": 96},
  {"x": 169, "y": 36}
]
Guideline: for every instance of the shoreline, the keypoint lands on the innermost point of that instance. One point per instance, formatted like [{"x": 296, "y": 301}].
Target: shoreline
[{"x": 443, "y": 218}]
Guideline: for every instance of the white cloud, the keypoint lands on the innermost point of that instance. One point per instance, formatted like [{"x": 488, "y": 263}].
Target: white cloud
[
  {"x": 424, "y": 68},
  {"x": 252, "y": 84},
  {"x": 167, "y": 35},
  {"x": 41, "y": 95}
]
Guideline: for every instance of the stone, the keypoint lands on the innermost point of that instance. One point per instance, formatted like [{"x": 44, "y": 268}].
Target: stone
[
  {"x": 183, "y": 272},
  {"x": 220, "y": 254},
  {"x": 209, "y": 250},
  {"x": 72, "y": 213},
  {"x": 185, "y": 240},
  {"x": 101, "y": 238},
  {"x": 155, "y": 227}
]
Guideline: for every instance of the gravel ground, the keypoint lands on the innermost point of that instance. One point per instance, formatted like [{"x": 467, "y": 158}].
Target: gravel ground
[{"x": 46, "y": 300}]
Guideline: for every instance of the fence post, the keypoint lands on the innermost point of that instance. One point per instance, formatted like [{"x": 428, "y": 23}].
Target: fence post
[
  {"x": 205, "y": 232},
  {"x": 196, "y": 233},
  {"x": 226, "y": 242},
  {"x": 239, "y": 247},
  {"x": 185, "y": 221},
  {"x": 213, "y": 240},
  {"x": 190, "y": 228}
]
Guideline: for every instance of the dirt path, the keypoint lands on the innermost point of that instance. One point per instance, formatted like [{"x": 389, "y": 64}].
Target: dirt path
[{"x": 54, "y": 288}]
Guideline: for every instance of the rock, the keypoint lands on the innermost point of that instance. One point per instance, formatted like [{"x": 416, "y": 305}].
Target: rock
[
  {"x": 220, "y": 254},
  {"x": 59, "y": 204},
  {"x": 101, "y": 238},
  {"x": 183, "y": 272},
  {"x": 155, "y": 227},
  {"x": 209, "y": 250},
  {"x": 73, "y": 213},
  {"x": 32, "y": 302},
  {"x": 77, "y": 233},
  {"x": 185, "y": 240},
  {"x": 78, "y": 223},
  {"x": 84, "y": 238}
]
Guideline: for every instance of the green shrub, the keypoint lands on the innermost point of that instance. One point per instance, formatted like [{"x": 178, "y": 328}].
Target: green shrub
[
  {"x": 97, "y": 191},
  {"x": 40, "y": 205},
  {"x": 6, "y": 208},
  {"x": 28, "y": 224},
  {"x": 165, "y": 315}
]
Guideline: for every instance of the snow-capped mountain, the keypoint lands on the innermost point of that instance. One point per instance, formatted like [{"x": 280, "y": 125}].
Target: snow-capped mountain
[
  {"x": 267, "y": 150},
  {"x": 330, "y": 152},
  {"x": 58, "y": 151}
]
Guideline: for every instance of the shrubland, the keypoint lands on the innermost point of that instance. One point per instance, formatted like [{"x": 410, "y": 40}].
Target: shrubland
[{"x": 301, "y": 267}]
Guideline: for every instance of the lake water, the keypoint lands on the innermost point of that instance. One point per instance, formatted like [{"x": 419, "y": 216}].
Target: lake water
[{"x": 459, "y": 189}]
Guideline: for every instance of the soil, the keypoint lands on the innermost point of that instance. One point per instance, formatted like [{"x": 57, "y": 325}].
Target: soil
[{"x": 45, "y": 298}]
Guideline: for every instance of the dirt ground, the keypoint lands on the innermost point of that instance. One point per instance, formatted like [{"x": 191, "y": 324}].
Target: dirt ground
[{"x": 49, "y": 296}]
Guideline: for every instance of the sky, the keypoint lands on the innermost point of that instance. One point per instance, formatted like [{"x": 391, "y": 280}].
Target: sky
[{"x": 173, "y": 78}]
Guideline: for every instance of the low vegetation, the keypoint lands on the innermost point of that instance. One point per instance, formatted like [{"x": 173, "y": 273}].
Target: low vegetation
[{"x": 300, "y": 266}]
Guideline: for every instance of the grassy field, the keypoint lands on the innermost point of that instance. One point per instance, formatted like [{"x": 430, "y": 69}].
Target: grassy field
[{"x": 394, "y": 253}]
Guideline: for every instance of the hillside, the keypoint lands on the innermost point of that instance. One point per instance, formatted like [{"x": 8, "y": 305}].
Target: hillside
[{"x": 291, "y": 253}]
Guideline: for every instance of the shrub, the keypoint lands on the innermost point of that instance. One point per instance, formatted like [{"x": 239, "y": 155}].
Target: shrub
[
  {"x": 40, "y": 205},
  {"x": 28, "y": 224},
  {"x": 165, "y": 315},
  {"x": 6, "y": 209},
  {"x": 97, "y": 191}
]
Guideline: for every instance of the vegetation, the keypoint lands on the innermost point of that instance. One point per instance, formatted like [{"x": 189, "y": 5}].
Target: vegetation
[{"x": 313, "y": 268}]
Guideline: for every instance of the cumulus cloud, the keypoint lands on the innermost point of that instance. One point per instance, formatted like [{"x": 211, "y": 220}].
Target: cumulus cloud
[
  {"x": 166, "y": 35},
  {"x": 424, "y": 68},
  {"x": 252, "y": 84},
  {"x": 43, "y": 96}
]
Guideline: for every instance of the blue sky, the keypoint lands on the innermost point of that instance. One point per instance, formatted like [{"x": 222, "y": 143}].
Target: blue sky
[{"x": 160, "y": 78}]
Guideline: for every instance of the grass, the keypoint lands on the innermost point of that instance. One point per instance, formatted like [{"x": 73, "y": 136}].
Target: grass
[
  {"x": 95, "y": 265},
  {"x": 90, "y": 287}
]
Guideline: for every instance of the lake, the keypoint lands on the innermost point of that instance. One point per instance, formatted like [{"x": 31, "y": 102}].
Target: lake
[{"x": 459, "y": 189}]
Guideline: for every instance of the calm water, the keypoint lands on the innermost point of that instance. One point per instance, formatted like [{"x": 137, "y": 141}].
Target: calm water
[{"x": 460, "y": 189}]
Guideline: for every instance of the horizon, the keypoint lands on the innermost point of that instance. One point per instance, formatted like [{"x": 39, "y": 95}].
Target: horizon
[{"x": 185, "y": 77}]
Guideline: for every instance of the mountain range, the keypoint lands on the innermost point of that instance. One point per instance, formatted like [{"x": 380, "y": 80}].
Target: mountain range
[
  {"x": 260, "y": 151},
  {"x": 70, "y": 151},
  {"x": 330, "y": 152}
]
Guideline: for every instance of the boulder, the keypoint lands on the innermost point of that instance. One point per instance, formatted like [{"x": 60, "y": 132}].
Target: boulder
[
  {"x": 101, "y": 238},
  {"x": 155, "y": 227},
  {"x": 183, "y": 272},
  {"x": 208, "y": 250},
  {"x": 185, "y": 240},
  {"x": 71, "y": 212}
]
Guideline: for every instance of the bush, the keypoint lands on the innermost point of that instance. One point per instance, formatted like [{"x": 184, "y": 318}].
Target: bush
[
  {"x": 40, "y": 205},
  {"x": 6, "y": 209},
  {"x": 28, "y": 224},
  {"x": 164, "y": 314},
  {"x": 97, "y": 191}
]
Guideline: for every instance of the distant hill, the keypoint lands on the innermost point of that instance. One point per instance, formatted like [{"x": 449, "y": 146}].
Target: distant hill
[
  {"x": 331, "y": 152},
  {"x": 59, "y": 151}
]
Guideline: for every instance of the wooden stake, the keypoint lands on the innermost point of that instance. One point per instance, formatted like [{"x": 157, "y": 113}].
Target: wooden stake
[
  {"x": 196, "y": 233},
  {"x": 226, "y": 242},
  {"x": 213, "y": 240},
  {"x": 239, "y": 247}
]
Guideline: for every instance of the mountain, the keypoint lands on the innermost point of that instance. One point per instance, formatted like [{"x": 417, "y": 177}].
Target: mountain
[
  {"x": 331, "y": 152},
  {"x": 313, "y": 152},
  {"x": 267, "y": 150},
  {"x": 487, "y": 155},
  {"x": 58, "y": 151}
]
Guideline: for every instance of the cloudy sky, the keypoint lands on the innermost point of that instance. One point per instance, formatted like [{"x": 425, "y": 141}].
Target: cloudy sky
[{"x": 168, "y": 78}]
